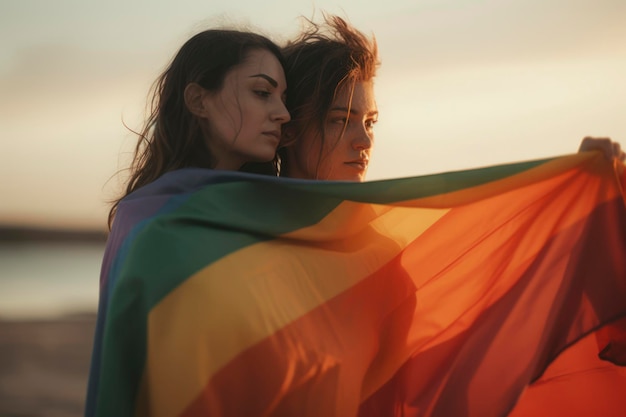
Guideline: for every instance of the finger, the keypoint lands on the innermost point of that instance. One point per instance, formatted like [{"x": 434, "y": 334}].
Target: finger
[
  {"x": 617, "y": 149},
  {"x": 605, "y": 145}
]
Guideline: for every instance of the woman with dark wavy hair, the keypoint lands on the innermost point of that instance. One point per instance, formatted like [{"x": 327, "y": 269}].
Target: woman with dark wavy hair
[{"x": 219, "y": 105}]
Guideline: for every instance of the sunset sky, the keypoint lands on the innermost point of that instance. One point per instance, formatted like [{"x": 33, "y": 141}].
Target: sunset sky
[{"x": 462, "y": 84}]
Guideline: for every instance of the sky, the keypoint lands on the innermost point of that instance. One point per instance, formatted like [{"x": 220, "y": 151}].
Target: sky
[{"x": 462, "y": 84}]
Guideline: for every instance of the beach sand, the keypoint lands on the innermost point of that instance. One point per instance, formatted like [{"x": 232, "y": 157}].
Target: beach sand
[{"x": 44, "y": 365}]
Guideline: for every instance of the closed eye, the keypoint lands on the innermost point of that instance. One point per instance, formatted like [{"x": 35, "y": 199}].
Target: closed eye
[{"x": 262, "y": 93}]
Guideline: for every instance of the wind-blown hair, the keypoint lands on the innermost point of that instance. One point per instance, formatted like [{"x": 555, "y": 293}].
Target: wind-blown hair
[
  {"x": 172, "y": 137},
  {"x": 319, "y": 64}
]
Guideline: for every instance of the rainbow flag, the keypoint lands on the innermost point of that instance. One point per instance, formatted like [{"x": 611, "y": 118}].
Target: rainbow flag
[{"x": 458, "y": 294}]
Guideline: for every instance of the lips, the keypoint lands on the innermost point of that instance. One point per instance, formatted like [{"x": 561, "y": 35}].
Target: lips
[
  {"x": 273, "y": 133},
  {"x": 360, "y": 164}
]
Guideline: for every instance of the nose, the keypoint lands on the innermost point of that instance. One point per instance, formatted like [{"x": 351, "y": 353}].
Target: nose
[
  {"x": 281, "y": 114},
  {"x": 363, "y": 140}
]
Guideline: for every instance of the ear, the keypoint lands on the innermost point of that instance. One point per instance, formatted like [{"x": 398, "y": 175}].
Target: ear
[{"x": 194, "y": 96}]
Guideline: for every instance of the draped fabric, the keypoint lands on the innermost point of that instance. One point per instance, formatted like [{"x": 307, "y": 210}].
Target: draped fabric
[{"x": 485, "y": 292}]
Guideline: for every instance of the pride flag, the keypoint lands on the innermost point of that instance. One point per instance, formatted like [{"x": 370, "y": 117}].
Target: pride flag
[{"x": 485, "y": 293}]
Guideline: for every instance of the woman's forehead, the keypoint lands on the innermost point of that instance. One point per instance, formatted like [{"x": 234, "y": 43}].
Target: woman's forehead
[
  {"x": 262, "y": 62},
  {"x": 358, "y": 95}
]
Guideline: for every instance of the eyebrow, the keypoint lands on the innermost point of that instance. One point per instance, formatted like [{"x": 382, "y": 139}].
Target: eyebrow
[
  {"x": 352, "y": 111},
  {"x": 266, "y": 77}
]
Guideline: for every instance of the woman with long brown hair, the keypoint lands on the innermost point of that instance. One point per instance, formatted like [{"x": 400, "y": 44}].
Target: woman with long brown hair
[{"x": 218, "y": 106}]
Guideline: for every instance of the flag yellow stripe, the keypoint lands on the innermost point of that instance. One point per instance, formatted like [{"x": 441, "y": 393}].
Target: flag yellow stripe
[{"x": 234, "y": 299}]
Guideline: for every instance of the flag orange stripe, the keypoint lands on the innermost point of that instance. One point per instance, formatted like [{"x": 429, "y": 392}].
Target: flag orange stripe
[
  {"x": 576, "y": 383},
  {"x": 509, "y": 338}
]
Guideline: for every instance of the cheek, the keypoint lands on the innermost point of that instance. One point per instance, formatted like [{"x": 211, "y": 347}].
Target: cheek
[
  {"x": 334, "y": 153},
  {"x": 330, "y": 166},
  {"x": 246, "y": 117},
  {"x": 229, "y": 122}
]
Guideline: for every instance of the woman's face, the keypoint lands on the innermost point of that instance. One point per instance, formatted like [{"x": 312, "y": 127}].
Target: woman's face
[
  {"x": 349, "y": 136},
  {"x": 246, "y": 115}
]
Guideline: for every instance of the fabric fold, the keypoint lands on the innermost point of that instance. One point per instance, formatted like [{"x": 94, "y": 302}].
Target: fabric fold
[{"x": 484, "y": 292}]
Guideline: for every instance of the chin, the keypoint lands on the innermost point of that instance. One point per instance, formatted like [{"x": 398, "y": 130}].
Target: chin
[
  {"x": 360, "y": 177},
  {"x": 350, "y": 175},
  {"x": 263, "y": 157}
]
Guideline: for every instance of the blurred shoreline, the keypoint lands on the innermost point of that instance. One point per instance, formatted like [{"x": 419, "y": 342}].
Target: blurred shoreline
[
  {"x": 44, "y": 365},
  {"x": 16, "y": 234},
  {"x": 44, "y": 358}
]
